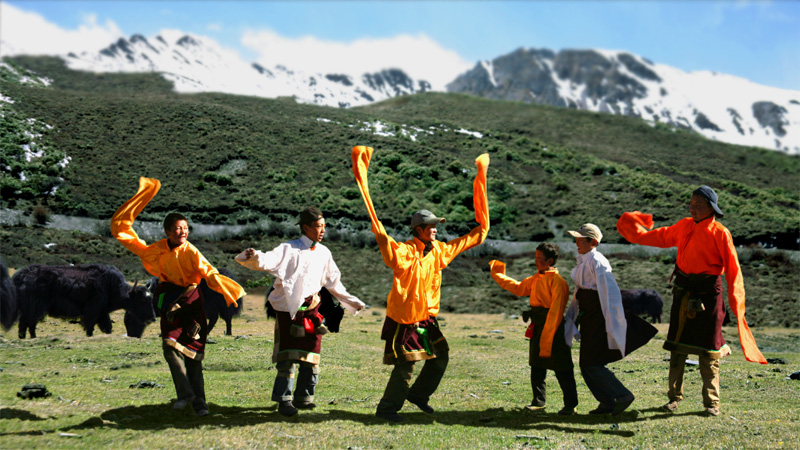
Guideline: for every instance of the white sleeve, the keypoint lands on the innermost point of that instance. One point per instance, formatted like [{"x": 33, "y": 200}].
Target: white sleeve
[
  {"x": 271, "y": 261},
  {"x": 571, "y": 332},
  {"x": 333, "y": 282},
  {"x": 611, "y": 303}
]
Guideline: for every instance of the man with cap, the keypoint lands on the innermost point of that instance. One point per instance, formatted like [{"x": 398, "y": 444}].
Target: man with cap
[
  {"x": 302, "y": 267},
  {"x": 705, "y": 253},
  {"x": 606, "y": 334},
  {"x": 411, "y": 330}
]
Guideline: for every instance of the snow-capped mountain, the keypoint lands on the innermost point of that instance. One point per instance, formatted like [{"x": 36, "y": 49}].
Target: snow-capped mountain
[
  {"x": 201, "y": 65},
  {"x": 718, "y": 106}
]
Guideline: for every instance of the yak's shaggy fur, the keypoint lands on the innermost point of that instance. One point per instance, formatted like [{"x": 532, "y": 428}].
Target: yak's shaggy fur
[
  {"x": 8, "y": 299},
  {"x": 643, "y": 302},
  {"x": 89, "y": 292}
]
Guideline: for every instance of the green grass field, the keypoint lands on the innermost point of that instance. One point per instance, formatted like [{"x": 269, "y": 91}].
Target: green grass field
[{"x": 478, "y": 405}]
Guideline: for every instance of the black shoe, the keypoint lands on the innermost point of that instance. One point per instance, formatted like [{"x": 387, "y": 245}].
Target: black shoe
[
  {"x": 305, "y": 405},
  {"x": 425, "y": 407},
  {"x": 602, "y": 409},
  {"x": 286, "y": 408},
  {"x": 390, "y": 416},
  {"x": 568, "y": 411},
  {"x": 622, "y": 404}
]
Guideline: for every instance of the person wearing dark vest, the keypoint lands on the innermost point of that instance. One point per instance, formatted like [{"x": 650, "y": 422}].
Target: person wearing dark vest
[
  {"x": 179, "y": 267},
  {"x": 606, "y": 334},
  {"x": 705, "y": 253},
  {"x": 549, "y": 294},
  {"x": 302, "y": 267}
]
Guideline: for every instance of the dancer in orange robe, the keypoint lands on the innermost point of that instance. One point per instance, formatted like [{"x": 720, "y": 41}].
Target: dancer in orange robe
[
  {"x": 411, "y": 330},
  {"x": 179, "y": 267},
  {"x": 705, "y": 253}
]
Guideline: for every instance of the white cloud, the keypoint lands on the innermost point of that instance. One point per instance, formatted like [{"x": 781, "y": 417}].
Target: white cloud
[
  {"x": 23, "y": 32},
  {"x": 419, "y": 56}
]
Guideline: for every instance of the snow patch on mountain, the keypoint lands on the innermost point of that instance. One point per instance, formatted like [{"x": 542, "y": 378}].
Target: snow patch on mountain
[
  {"x": 196, "y": 64},
  {"x": 388, "y": 129}
]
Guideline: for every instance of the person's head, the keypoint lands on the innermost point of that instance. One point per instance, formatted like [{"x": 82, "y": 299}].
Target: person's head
[
  {"x": 176, "y": 227},
  {"x": 587, "y": 237},
  {"x": 423, "y": 225},
  {"x": 312, "y": 224},
  {"x": 546, "y": 256},
  {"x": 704, "y": 204}
]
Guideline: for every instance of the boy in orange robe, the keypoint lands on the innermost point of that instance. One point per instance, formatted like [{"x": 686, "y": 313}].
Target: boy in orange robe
[
  {"x": 549, "y": 294},
  {"x": 411, "y": 330},
  {"x": 705, "y": 253},
  {"x": 179, "y": 267}
]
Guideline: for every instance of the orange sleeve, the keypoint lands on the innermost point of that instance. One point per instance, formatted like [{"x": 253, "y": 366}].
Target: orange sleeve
[
  {"x": 481, "y": 203},
  {"x": 217, "y": 282},
  {"x": 392, "y": 252},
  {"x": 559, "y": 292},
  {"x": 479, "y": 197},
  {"x": 736, "y": 296},
  {"x": 122, "y": 222},
  {"x": 519, "y": 288},
  {"x": 633, "y": 226}
]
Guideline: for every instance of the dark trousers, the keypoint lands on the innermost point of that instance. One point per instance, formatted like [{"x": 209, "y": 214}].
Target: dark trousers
[
  {"x": 187, "y": 375},
  {"x": 307, "y": 379},
  {"x": 398, "y": 390},
  {"x": 566, "y": 380},
  {"x": 604, "y": 385}
]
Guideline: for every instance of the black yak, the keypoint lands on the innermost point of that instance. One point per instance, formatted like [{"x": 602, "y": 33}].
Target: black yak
[
  {"x": 8, "y": 299},
  {"x": 643, "y": 302},
  {"x": 89, "y": 292},
  {"x": 215, "y": 305}
]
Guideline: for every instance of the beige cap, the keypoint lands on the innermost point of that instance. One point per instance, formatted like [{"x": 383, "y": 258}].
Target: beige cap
[
  {"x": 424, "y": 217},
  {"x": 587, "y": 230}
]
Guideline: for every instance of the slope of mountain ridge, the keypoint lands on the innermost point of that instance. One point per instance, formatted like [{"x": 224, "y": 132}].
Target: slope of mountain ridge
[
  {"x": 234, "y": 159},
  {"x": 196, "y": 64},
  {"x": 719, "y": 106}
]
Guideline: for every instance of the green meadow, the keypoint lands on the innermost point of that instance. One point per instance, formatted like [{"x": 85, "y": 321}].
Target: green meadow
[{"x": 95, "y": 404}]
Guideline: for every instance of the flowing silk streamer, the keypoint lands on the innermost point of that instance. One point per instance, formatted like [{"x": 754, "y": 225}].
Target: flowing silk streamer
[
  {"x": 361, "y": 156},
  {"x": 629, "y": 226},
  {"x": 480, "y": 199},
  {"x": 122, "y": 220}
]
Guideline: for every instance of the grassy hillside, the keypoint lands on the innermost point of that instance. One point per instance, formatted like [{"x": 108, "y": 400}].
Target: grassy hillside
[{"x": 232, "y": 159}]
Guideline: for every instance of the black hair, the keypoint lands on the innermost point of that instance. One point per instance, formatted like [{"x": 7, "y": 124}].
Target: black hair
[
  {"x": 309, "y": 216},
  {"x": 171, "y": 218},
  {"x": 549, "y": 251}
]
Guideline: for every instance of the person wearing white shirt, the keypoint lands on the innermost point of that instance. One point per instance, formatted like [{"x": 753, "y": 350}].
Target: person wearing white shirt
[
  {"x": 302, "y": 267},
  {"x": 604, "y": 330}
]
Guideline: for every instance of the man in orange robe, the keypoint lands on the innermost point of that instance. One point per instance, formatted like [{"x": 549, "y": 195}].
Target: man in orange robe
[
  {"x": 179, "y": 267},
  {"x": 705, "y": 253},
  {"x": 411, "y": 330}
]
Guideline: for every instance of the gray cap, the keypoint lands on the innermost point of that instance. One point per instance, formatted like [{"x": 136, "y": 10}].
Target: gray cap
[
  {"x": 587, "y": 230},
  {"x": 424, "y": 217},
  {"x": 711, "y": 197}
]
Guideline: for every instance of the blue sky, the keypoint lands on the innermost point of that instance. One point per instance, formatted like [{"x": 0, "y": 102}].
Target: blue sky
[{"x": 756, "y": 40}]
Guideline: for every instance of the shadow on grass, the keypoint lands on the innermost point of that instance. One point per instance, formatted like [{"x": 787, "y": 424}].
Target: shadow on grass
[
  {"x": 21, "y": 414},
  {"x": 161, "y": 416}
]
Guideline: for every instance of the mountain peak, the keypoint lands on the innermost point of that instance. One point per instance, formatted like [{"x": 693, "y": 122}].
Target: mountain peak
[{"x": 718, "y": 106}]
